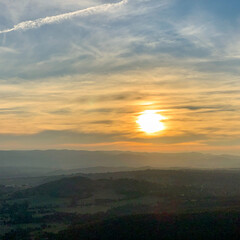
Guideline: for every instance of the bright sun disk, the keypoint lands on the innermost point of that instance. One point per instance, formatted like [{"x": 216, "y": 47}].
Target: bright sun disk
[{"x": 150, "y": 121}]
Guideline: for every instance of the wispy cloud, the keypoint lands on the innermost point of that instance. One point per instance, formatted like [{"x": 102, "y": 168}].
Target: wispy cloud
[
  {"x": 85, "y": 86},
  {"x": 61, "y": 17}
]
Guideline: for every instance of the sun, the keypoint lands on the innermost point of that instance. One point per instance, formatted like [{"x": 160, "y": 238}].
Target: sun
[{"x": 150, "y": 121}]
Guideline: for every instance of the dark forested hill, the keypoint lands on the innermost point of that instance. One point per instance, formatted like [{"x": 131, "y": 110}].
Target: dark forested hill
[
  {"x": 221, "y": 183},
  {"x": 82, "y": 187},
  {"x": 209, "y": 226}
]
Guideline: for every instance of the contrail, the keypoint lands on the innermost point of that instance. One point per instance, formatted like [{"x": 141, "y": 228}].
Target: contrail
[{"x": 61, "y": 17}]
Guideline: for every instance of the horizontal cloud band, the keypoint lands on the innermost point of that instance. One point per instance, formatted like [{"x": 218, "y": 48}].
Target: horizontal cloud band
[{"x": 61, "y": 17}]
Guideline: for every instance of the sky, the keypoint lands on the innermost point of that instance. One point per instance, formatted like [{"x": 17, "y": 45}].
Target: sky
[{"x": 78, "y": 74}]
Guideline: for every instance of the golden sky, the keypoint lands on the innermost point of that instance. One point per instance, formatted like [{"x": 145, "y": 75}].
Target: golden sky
[{"x": 81, "y": 80}]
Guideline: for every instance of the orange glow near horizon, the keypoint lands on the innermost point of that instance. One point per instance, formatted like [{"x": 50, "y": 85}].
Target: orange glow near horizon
[{"x": 150, "y": 121}]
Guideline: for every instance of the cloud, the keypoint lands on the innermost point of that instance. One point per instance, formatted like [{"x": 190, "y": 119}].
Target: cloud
[
  {"x": 95, "y": 75},
  {"x": 59, "y": 137},
  {"x": 104, "y": 122},
  {"x": 61, "y": 17}
]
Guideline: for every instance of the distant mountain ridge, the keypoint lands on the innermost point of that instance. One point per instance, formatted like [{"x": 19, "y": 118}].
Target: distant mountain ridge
[
  {"x": 16, "y": 172},
  {"x": 70, "y": 159},
  {"x": 97, "y": 169}
]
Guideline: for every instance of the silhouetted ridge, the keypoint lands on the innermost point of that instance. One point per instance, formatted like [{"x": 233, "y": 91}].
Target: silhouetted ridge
[
  {"x": 66, "y": 187},
  {"x": 82, "y": 187}
]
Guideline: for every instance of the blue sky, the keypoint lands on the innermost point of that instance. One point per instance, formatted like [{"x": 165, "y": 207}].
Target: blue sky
[
  {"x": 87, "y": 75},
  {"x": 205, "y": 31}
]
